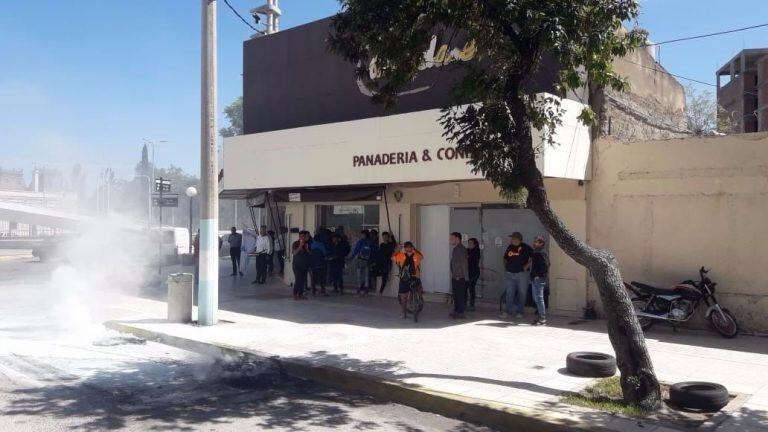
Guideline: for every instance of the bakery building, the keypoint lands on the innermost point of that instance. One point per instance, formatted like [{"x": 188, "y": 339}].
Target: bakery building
[{"x": 318, "y": 153}]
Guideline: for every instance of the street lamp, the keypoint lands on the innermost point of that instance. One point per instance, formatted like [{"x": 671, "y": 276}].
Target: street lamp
[
  {"x": 191, "y": 193},
  {"x": 149, "y": 198}
]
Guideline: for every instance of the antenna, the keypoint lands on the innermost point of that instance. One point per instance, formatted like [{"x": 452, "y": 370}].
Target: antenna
[{"x": 272, "y": 12}]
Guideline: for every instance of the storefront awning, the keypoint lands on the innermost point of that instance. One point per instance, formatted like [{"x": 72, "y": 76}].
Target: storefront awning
[{"x": 258, "y": 197}]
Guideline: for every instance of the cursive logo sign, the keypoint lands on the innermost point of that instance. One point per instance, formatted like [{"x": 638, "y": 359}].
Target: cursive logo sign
[{"x": 434, "y": 57}]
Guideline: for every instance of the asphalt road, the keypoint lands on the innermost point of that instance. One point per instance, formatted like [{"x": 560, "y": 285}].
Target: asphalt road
[{"x": 61, "y": 370}]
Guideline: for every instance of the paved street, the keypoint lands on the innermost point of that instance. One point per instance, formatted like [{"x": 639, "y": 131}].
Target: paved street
[{"x": 60, "y": 370}]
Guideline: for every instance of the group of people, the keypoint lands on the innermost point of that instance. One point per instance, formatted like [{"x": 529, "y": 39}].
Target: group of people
[
  {"x": 321, "y": 259},
  {"x": 262, "y": 245},
  {"x": 523, "y": 265}
]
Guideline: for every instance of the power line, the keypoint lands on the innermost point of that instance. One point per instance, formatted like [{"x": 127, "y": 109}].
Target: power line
[
  {"x": 226, "y": 2},
  {"x": 708, "y": 35},
  {"x": 668, "y": 73}
]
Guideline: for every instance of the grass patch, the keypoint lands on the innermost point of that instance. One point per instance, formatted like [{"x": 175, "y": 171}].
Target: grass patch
[{"x": 605, "y": 395}]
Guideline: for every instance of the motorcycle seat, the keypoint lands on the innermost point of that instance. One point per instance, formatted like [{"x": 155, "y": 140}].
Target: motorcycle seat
[{"x": 653, "y": 289}]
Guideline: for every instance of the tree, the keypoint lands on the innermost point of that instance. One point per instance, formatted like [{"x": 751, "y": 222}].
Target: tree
[
  {"x": 234, "y": 114},
  {"x": 494, "y": 132},
  {"x": 705, "y": 116}
]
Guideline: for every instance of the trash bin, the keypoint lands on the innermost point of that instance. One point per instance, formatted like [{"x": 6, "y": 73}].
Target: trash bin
[{"x": 180, "y": 286}]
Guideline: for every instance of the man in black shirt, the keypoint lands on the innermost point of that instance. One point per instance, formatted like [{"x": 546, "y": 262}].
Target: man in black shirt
[
  {"x": 301, "y": 264},
  {"x": 517, "y": 263},
  {"x": 235, "y": 243}
]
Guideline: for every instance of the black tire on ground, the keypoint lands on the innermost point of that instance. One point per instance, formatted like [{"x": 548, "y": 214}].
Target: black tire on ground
[
  {"x": 591, "y": 364},
  {"x": 705, "y": 396}
]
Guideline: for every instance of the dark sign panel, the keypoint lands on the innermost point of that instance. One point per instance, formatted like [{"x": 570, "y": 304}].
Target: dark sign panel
[
  {"x": 170, "y": 200},
  {"x": 290, "y": 79}
]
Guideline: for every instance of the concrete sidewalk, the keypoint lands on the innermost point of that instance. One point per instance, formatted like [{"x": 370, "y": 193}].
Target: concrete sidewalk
[{"x": 499, "y": 367}]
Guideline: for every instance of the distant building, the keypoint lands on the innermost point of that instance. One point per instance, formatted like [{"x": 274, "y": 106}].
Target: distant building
[
  {"x": 742, "y": 90},
  {"x": 13, "y": 189},
  {"x": 12, "y": 180}
]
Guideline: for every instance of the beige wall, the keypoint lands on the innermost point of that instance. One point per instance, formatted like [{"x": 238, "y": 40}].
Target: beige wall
[{"x": 665, "y": 208}]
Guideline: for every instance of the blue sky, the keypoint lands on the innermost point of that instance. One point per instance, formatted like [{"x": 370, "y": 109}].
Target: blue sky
[{"x": 85, "y": 80}]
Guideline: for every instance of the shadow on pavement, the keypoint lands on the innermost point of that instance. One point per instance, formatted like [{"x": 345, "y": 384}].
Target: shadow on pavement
[
  {"x": 186, "y": 398},
  {"x": 273, "y": 300}
]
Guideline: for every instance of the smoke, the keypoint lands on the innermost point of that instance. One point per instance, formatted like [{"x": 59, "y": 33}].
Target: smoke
[{"x": 110, "y": 256}]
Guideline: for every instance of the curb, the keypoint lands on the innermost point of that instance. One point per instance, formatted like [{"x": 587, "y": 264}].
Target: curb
[{"x": 472, "y": 410}]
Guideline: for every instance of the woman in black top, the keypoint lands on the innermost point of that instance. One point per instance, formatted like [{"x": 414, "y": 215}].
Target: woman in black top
[
  {"x": 473, "y": 255},
  {"x": 384, "y": 258}
]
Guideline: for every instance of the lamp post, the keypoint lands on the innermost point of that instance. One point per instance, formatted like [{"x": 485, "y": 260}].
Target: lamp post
[
  {"x": 191, "y": 192},
  {"x": 149, "y": 198}
]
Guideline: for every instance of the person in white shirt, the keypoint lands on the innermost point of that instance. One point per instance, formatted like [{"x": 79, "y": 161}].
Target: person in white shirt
[
  {"x": 249, "y": 242},
  {"x": 263, "y": 249}
]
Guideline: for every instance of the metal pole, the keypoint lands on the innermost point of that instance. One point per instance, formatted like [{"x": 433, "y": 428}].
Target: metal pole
[
  {"x": 190, "y": 224},
  {"x": 160, "y": 232},
  {"x": 149, "y": 203},
  {"x": 208, "y": 299}
]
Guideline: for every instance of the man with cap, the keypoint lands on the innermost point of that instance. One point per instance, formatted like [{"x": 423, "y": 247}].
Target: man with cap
[{"x": 517, "y": 263}]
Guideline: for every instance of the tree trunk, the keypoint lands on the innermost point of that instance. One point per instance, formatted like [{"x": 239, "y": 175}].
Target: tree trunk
[{"x": 638, "y": 381}]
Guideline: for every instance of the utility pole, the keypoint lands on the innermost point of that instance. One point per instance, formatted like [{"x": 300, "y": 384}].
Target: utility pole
[{"x": 208, "y": 295}]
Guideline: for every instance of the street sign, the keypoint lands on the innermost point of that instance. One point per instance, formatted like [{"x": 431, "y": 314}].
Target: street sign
[
  {"x": 166, "y": 200},
  {"x": 162, "y": 185}
]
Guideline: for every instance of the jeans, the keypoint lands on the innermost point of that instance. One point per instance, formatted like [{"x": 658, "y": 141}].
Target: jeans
[
  {"x": 336, "y": 269},
  {"x": 459, "y": 288},
  {"x": 318, "y": 278},
  {"x": 517, "y": 291},
  {"x": 281, "y": 260},
  {"x": 270, "y": 263},
  {"x": 384, "y": 273},
  {"x": 539, "y": 284},
  {"x": 261, "y": 268},
  {"x": 234, "y": 255},
  {"x": 362, "y": 275},
  {"x": 471, "y": 290},
  {"x": 300, "y": 281}
]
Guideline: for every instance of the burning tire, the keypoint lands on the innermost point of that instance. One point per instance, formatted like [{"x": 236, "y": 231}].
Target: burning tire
[
  {"x": 591, "y": 364},
  {"x": 704, "y": 396}
]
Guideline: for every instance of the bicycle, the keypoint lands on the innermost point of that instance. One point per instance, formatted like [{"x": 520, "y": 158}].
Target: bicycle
[{"x": 414, "y": 300}]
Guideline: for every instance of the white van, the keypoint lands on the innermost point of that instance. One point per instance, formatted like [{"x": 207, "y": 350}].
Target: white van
[{"x": 175, "y": 242}]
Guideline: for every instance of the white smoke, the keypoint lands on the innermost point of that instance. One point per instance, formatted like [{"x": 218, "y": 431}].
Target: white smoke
[{"x": 111, "y": 256}]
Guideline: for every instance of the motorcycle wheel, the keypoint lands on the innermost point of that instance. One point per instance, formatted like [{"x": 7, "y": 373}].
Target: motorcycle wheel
[
  {"x": 728, "y": 327},
  {"x": 645, "y": 322}
]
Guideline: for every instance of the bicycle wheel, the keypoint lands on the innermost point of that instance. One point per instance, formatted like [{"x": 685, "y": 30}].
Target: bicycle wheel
[{"x": 417, "y": 304}]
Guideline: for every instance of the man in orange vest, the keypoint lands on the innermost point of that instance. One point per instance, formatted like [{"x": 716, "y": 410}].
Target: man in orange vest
[{"x": 409, "y": 260}]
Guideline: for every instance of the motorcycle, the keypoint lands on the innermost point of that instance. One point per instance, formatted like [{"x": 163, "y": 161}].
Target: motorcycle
[{"x": 678, "y": 304}]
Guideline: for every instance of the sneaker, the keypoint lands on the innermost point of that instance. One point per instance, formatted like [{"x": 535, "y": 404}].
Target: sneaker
[
  {"x": 519, "y": 316},
  {"x": 503, "y": 315},
  {"x": 455, "y": 315},
  {"x": 233, "y": 274},
  {"x": 539, "y": 322}
]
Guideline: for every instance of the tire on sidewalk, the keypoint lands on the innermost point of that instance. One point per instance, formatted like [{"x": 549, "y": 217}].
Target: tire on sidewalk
[
  {"x": 699, "y": 395},
  {"x": 591, "y": 364}
]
